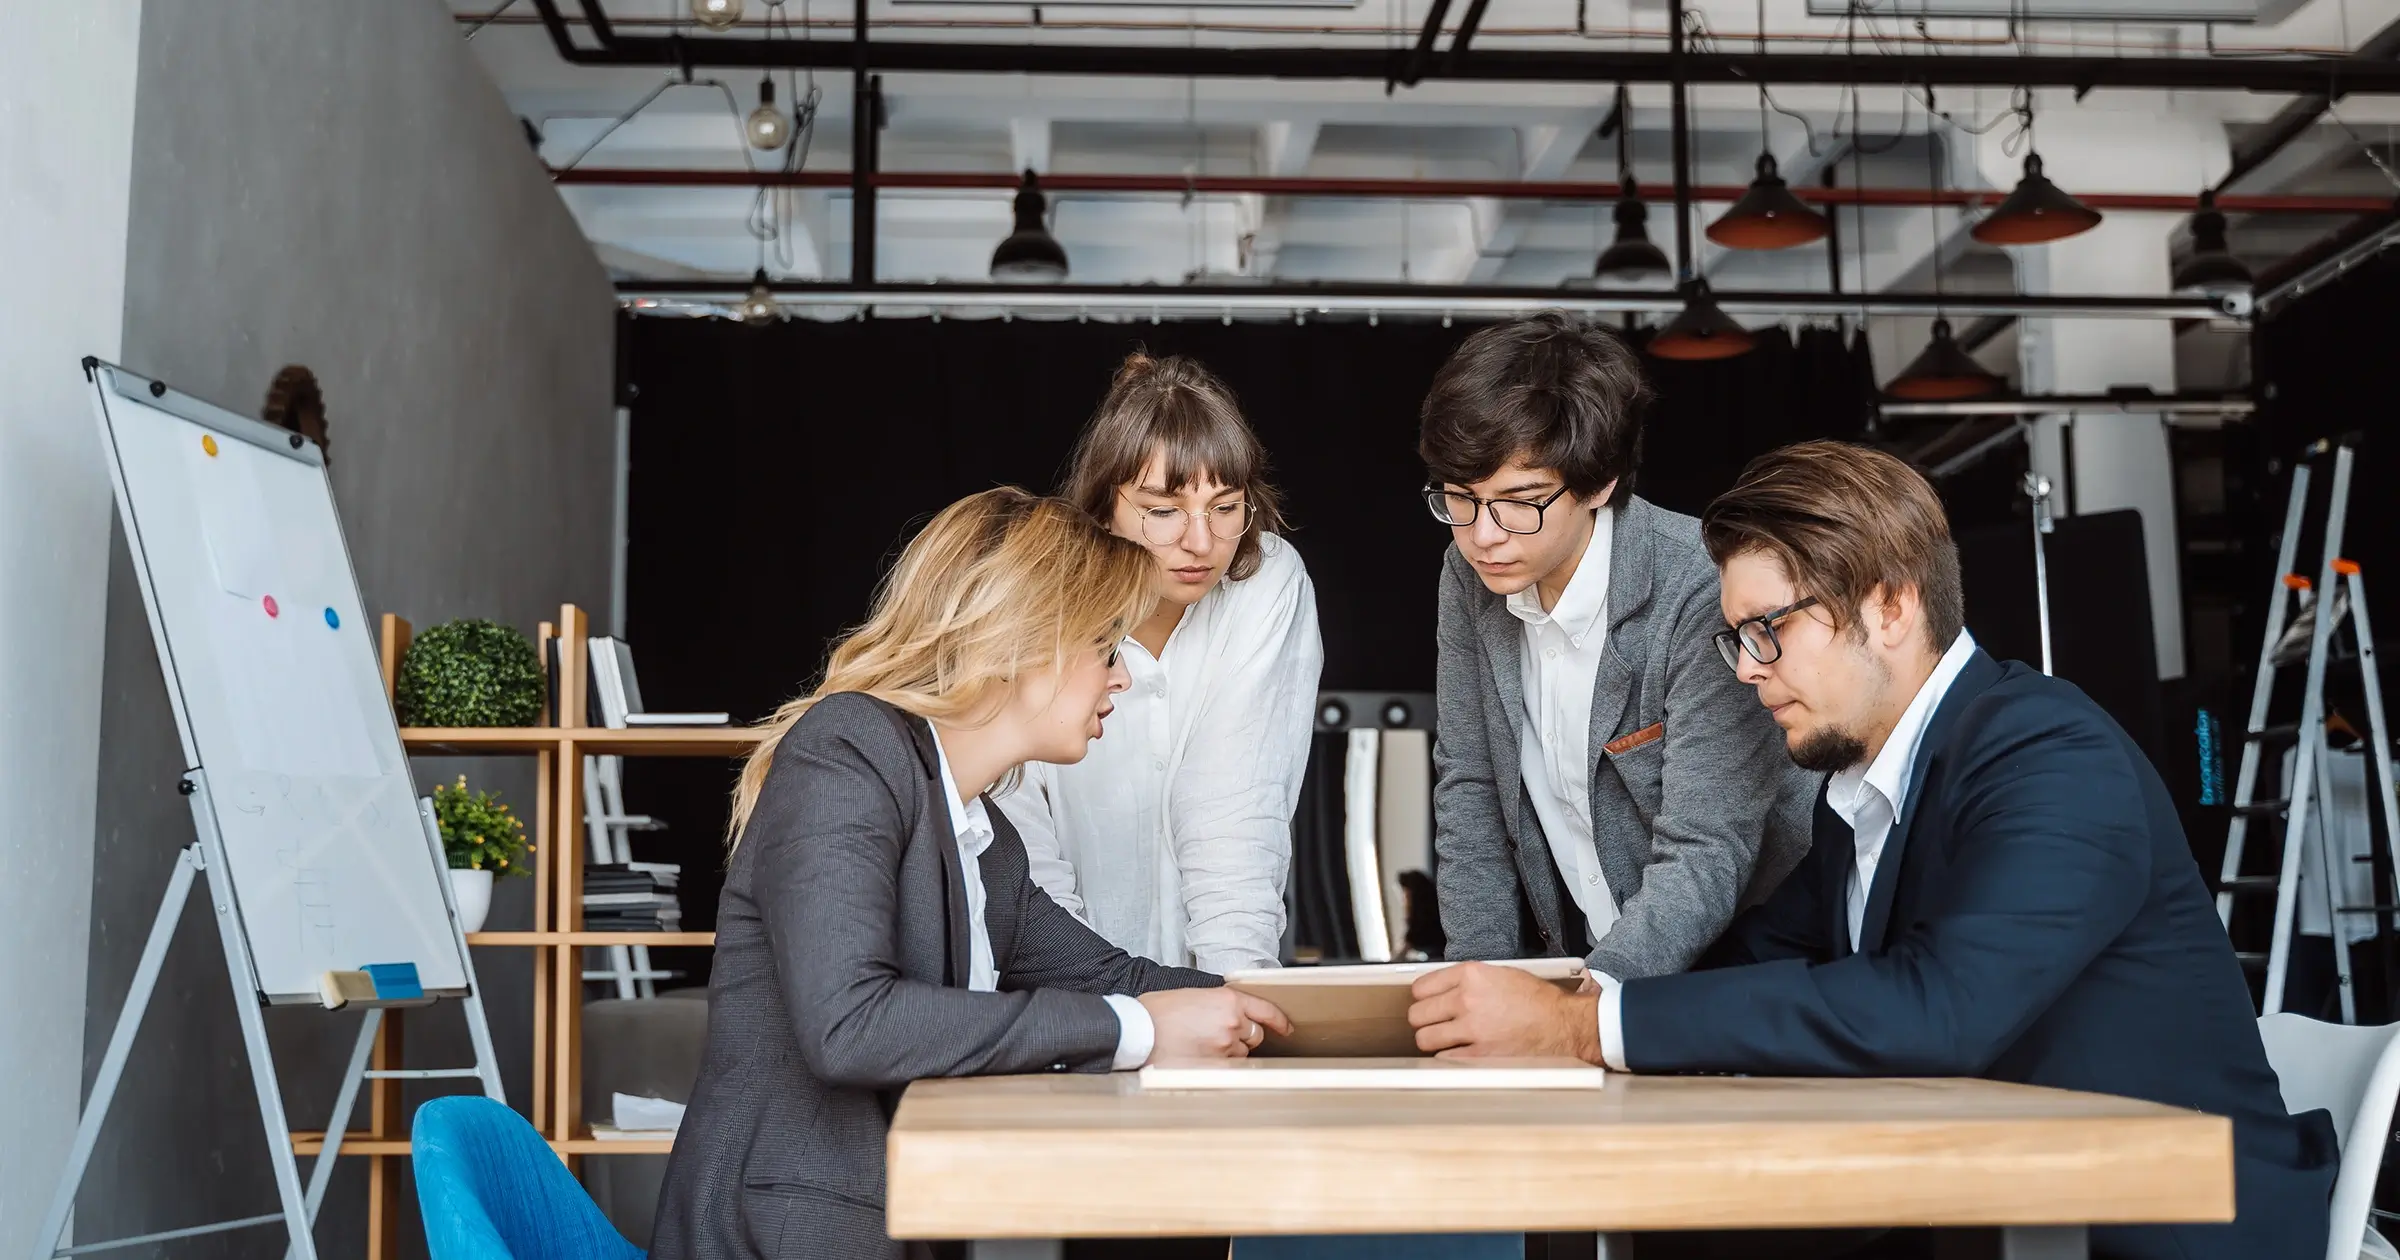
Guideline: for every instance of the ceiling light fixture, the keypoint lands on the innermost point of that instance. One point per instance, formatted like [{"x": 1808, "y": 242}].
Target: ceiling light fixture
[
  {"x": 759, "y": 307},
  {"x": 2211, "y": 267},
  {"x": 1943, "y": 371},
  {"x": 1768, "y": 216},
  {"x": 767, "y": 127},
  {"x": 1030, "y": 255},
  {"x": 1701, "y": 330},
  {"x": 1631, "y": 259},
  {"x": 717, "y": 15}
]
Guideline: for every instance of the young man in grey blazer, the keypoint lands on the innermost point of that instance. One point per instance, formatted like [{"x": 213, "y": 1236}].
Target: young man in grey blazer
[{"x": 1603, "y": 788}]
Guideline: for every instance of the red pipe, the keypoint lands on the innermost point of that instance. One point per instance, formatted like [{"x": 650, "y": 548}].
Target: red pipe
[{"x": 1508, "y": 189}]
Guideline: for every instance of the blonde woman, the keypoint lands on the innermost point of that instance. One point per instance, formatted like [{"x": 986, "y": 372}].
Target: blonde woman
[
  {"x": 878, "y": 924},
  {"x": 1174, "y": 838}
]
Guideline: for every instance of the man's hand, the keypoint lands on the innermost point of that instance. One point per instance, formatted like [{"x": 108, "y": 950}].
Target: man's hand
[
  {"x": 1210, "y": 1023},
  {"x": 1474, "y": 1010}
]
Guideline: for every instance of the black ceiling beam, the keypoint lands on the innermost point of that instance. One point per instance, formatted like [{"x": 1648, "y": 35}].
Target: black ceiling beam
[
  {"x": 2295, "y": 119},
  {"x": 2333, "y": 76}
]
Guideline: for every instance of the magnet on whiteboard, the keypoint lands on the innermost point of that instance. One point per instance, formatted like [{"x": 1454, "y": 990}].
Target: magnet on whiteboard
[
  {"x": 333, "y": 620},
  {"x": 209, "y": 444},
  {"x": 272, "y": 610}
]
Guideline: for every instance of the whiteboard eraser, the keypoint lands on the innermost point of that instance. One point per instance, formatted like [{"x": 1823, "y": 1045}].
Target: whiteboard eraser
[{"x": 340, "y": 988}]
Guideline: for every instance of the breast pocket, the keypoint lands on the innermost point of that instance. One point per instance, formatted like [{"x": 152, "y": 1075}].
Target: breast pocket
[{"x": 1640, "y": 762}]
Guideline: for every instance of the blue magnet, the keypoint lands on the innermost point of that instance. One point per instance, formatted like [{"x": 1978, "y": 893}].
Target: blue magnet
[{"x": 333, "y": 620}]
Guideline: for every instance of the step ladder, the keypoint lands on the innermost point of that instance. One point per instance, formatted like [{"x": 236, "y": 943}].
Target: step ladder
[{"x": 2305, "y": 790}]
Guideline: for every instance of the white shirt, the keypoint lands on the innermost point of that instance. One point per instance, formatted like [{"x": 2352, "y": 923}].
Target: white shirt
[
  {"x": 1173, "y": 836},
  {"x": 1561, "y": 662},
  {"x": 1136, "y": 1034},
  {"x": 1869, "y": 798}
]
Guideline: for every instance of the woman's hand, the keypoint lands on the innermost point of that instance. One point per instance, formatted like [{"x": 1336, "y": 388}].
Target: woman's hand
[{"x": 1210, "y": 1023}]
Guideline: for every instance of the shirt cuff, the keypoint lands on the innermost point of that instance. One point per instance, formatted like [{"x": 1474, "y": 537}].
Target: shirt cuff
[
  {"x": 1612, "y": 1022},
  {"x": 1135, "y": 1033}
]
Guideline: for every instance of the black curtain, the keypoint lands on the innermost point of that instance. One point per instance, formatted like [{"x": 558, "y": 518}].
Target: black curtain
[{"x": 776, "y": 471}]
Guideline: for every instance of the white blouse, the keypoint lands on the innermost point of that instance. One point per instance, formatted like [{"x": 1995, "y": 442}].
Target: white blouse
[{"x": 1173, "y": 836}]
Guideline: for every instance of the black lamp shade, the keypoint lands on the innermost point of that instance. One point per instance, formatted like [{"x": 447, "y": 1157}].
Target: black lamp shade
[
  {"x": 1030, "y": 255},
  {"x": 1943, "y": 373},
  {"x": 1632, "y": 258},
  {"x": 2211, "y": 266},
  {"x": 2037, "y": 212},
  {"x": 1701, "y": 331},
  {"x": 1768, "y": 216}
]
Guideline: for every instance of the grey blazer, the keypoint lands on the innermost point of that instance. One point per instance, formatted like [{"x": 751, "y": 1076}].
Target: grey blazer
[
  {"x": 840, "y": 976},
  {"x": 1692, "y": 821}
]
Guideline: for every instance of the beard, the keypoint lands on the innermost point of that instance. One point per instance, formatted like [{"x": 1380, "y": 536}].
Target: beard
[{"x": 1829, "y": 750}]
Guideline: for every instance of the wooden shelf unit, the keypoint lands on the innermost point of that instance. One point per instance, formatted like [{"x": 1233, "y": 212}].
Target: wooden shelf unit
[{"x": 557, "y": 935}]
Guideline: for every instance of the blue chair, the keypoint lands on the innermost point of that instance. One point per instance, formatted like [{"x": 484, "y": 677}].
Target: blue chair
[{"x": 490, "y": 1188}]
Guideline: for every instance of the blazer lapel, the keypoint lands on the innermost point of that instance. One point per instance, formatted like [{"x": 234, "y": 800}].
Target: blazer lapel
[
  {"x": 1623, "y": 656},
  {"x": 954, "y": 875},
  {"x": 1504, "y": 646},
  {"x": 1980, "y": 673}
]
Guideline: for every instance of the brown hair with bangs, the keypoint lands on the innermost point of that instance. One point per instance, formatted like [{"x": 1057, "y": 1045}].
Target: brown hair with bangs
[
  {"x": 1178, "y": 411},
  {"x": 1551, "y": 390},
  {"x": 1843, "y": 521}
]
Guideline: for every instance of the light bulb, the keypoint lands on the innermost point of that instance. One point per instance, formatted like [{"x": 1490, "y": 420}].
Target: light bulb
[
  {"x": 767, "y": 127},
  {"x": 717, "y": 15},
  {"x": 760, "y": 306}
]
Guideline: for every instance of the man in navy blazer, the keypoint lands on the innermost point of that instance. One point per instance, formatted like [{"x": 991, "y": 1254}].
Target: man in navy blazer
[{"x": 1999, "y": 885}]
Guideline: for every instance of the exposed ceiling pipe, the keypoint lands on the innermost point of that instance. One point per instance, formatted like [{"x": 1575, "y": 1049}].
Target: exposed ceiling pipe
[
  {"x": 2335, "y": 76},
  {"x": 2295, "y": 119},
  {"x": 1209, "y": 300},
  {"x": 1497, "y": 189}
]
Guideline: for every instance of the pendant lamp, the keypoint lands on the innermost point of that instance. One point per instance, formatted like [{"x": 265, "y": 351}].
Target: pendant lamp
[
  {"x": 1631, "y": 259},
  {"x": 2037, "y": 212},
  {"x": 1030, "y": 255},
  {"x": 2211, "y": 268},
  {"x": 759, "y": 306},
  {"x": 1944, "y": 372},
  {"x": 1702, "y": 330},
  {"x": 1768, "y": 216}
]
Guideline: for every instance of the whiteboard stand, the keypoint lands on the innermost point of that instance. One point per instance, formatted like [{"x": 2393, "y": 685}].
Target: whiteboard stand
[
  {"x": 299, "y": 1210},
  {"x": 308, "y": 826}
]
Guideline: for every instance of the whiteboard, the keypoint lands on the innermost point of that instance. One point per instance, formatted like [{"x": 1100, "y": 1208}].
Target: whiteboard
[{"x": 270, "y": 665}]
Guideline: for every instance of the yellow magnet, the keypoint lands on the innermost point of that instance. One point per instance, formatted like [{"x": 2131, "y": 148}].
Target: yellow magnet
[{"x": 209, "y": 444}]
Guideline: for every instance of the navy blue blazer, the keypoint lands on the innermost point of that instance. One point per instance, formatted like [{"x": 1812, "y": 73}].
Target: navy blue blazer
[{"x": 2037, "y": 917}]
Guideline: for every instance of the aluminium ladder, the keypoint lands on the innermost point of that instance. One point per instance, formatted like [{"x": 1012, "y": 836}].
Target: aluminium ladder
[{"x": 2306, "y": 787}]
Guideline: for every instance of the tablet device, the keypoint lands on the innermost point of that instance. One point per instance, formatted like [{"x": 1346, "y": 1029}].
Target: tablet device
[{"x": 1362, "y": 1011}]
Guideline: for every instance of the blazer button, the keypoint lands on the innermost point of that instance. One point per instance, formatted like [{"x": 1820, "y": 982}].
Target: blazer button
[{"x": 1058, "y": 1067}]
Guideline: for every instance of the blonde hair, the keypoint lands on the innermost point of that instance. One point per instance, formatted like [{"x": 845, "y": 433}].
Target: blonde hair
[{"x": 998, "y": 583}]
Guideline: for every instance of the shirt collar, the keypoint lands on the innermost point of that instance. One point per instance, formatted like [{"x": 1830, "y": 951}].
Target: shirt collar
[
  {"x": 968, "y": 820},
  {"x": 1889, "y": 773},
  {"x": 1585, "y": 600}
]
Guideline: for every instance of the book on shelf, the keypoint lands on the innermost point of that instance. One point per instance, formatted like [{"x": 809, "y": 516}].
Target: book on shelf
[
  {"x": 630, "y": 877},
  {"x": 618, "y": 692},
  {"x": 655, "y": 921},
  {"x": 630, "y": 900}
]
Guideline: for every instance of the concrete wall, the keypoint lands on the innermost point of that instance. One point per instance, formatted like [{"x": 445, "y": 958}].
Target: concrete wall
[
  {"x": 340, "y": 186},
  {"x": 66, "y": 142}
]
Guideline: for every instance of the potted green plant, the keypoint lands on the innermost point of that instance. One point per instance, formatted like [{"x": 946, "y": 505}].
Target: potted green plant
[
  {"x": 482, "y": 839},
  {"x": 469, "y": 673}
]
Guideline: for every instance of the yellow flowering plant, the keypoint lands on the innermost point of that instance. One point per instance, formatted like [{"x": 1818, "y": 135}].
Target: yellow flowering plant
[{"x": 478, "y": 832}]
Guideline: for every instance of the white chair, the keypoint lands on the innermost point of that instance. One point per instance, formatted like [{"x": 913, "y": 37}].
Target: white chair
[{"x": 2355, "y": 1074}]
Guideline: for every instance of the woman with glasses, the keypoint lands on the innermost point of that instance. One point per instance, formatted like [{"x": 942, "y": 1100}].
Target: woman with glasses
[{"x": 1173, "y": 837}]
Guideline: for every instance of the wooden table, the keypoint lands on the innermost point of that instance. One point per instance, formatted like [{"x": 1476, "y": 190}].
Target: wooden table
[{"x": 1094, "y": 1156}]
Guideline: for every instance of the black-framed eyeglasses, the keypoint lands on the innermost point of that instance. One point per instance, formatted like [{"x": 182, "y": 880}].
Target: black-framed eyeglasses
[
  {"x": 1516, "y": 516},
  {"x": 1756, "y": 635}
]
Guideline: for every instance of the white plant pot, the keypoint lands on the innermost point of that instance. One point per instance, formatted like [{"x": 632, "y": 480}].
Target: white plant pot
[{"x": 473, "y": 890}]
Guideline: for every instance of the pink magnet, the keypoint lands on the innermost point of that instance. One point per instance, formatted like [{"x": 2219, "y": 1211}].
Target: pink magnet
[{"x": 272, "y": 610}]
